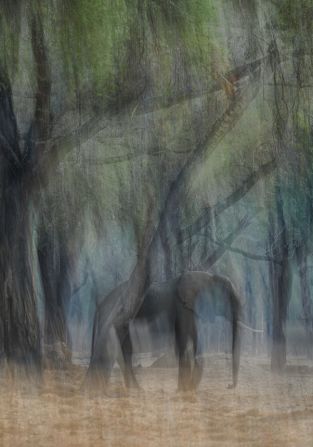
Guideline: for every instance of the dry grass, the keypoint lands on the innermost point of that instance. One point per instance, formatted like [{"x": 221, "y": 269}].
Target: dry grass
[{"x": 264, "y": 410}]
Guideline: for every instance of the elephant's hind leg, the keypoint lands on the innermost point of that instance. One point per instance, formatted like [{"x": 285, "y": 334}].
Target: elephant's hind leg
[{"x": 100, "y": 367}]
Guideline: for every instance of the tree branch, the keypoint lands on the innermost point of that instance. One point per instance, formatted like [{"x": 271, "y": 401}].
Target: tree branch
[
  {"x": 247, "y": 254},
  {"x": 218, "y": 253},
  {"x": 63, "y": 144},
  {"x": 222, "y": 126},
  {"x": 230, "y": 200}
]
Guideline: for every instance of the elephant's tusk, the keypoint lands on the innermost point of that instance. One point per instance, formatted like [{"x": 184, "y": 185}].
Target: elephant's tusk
[{"x": 245, "y": 326}]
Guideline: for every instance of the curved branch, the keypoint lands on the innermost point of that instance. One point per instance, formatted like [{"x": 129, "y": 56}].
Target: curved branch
[
  {"x": 218, "y": 253},
  {"x": 215, "y": 210},
  {"x": 247, "y": 254}
]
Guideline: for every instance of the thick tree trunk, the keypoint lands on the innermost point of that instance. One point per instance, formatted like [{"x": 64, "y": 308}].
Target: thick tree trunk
[
  {"x": 280, "y": 292},
  {"x": 280, "y": 279},
  {"x": 18, "y": 313},
  {"x": 54, "y": 280},
  {"x": 55, "y": 264},
  {"x": 19, "y": 319},
  {"x": 252, "y": 307},
  {"x": 305, "y": 298}
]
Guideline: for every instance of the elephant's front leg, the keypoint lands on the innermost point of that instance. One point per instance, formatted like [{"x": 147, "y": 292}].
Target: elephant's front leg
[{"x": 127, "y": 353}]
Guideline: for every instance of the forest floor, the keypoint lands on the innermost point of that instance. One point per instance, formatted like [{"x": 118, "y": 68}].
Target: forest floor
[{"x": 265, "y": 409}]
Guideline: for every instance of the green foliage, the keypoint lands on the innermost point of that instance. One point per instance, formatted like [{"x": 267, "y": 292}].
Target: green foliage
[
  {"x": 90, "y": 33},
  {"x": 10, "y": 15},
  {"x": 294, "y": 16},
  {"x": 102, "y": 38},
  {"x": 104, "y": 46}
]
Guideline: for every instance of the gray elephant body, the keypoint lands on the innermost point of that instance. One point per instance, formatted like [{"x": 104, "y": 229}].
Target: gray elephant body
[{"x": 178, "y": 300}]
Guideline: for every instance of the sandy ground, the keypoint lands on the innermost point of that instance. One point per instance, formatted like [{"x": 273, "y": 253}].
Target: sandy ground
[{"x": 265, "y": 410}]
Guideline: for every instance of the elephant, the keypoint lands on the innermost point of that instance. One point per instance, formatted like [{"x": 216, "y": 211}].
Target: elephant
[{"x": 178, "y": 300}]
